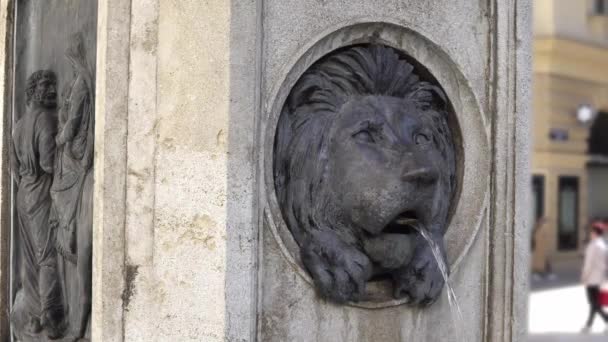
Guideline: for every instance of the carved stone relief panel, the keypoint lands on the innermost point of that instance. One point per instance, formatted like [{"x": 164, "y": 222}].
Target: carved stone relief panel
[
  {"x": 365, "y": 174},
  {"x": 52, "y": 167}
]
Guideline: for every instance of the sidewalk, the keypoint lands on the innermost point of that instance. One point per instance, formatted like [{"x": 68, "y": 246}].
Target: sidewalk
[
  {"x": 558, "y": 310},
  {"x": 567, "y": 338},
  {"x": 561, "y": 310}
]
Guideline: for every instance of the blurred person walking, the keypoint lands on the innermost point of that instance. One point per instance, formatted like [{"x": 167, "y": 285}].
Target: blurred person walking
[
  {"x": 594, "y": 274},
  {"x": 541, "y": 267}
]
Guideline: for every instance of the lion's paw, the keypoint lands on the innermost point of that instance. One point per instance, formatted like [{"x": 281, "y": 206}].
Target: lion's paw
[
  {"x": 339, "y": 270},
  {"x": 421, "y": 282}
]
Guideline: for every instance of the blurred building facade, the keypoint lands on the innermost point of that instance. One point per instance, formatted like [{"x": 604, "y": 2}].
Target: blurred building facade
[{"x": 570, "y": 152}]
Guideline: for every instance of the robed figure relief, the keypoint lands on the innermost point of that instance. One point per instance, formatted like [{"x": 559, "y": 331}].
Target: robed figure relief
[
  {"x": 37, "y": 308},
  {"x": 72, "y": 190},
  {"x": 55, "y": 205}
]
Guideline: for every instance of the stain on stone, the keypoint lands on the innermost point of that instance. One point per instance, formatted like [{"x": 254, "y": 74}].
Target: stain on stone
[
  {"x": 168, "y": 143},
  {"x": 139, "y": 174},
  {"x": 139, "y": 189},
  {"x": 131, "y": 274},
  {"x": 220, "y": 138},
  {"x": 150, "y": 41},
  {"x": 200, "y": 231}
]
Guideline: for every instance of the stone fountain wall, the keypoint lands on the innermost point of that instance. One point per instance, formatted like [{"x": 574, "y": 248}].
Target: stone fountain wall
[{"x": 189, "y": 243}]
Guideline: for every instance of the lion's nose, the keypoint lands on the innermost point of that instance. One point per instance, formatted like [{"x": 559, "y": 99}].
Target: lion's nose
[{"x": 421, "y": 174}]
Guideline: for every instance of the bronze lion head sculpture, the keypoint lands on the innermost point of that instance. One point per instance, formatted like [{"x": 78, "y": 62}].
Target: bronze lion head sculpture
[{"x": 364, "y": 164}]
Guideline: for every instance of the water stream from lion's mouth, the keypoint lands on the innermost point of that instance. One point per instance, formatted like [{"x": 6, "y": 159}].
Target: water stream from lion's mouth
[{"x": 456, "y": 313}]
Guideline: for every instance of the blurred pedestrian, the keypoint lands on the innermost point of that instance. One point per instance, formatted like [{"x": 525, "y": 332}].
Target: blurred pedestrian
[
  {"x": 540, "y": 261},
  {"x": 600, "y": 223},
  {"x": 594, "y": 274}
]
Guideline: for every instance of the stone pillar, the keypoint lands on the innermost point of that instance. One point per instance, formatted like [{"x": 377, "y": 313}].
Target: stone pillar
[
  {"x": 177, "y": 229},
  {"x": 109, "y": 269},
  {"x": 189, "y": 240}
]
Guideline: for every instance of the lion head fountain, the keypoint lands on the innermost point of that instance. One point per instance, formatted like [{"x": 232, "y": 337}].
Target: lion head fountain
[{"x": 364, "y": 165}]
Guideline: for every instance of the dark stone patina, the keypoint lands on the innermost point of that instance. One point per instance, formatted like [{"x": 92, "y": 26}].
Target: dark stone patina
[
  {"x": 364, "y": 159},
  {"x": 52, "y": 162}
]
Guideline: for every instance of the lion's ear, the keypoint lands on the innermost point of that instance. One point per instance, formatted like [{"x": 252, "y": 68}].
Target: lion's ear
[{"x": 428, "y": 96}]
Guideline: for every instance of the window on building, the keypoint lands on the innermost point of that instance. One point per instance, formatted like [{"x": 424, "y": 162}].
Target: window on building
[
  {"x": 600, "y": 7},
  {"x": 568, "y": 214},
  {"x": 598, "y": 139}
]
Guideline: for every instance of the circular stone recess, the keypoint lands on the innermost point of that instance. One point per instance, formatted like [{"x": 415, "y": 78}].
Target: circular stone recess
[{"x": 464, "y": 118}]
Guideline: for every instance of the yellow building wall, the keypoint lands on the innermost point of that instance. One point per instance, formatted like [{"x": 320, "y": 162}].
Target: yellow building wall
[
  {"x": 570, "y": 19},
  {"x": 544, "y": 23},
  {"x": 567, "y": 73}
]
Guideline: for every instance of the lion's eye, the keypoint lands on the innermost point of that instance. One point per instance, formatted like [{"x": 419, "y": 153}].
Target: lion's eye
[
  {"x": 421, "y": 139},
  {"x": 364, "y": 135}
]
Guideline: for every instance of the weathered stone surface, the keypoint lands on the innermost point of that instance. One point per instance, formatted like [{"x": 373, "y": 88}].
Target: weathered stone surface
[
  {"x": 110, "y": 291},
  {"x": 190, "y": 220}
]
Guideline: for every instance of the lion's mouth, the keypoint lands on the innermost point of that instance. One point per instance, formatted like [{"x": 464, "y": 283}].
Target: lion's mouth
[{"x": 403, "y": 223}]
